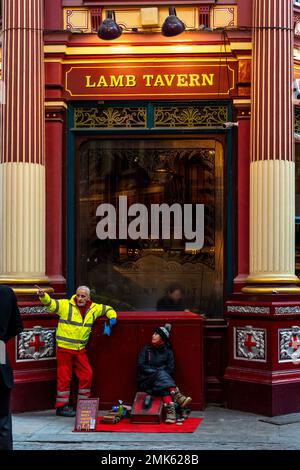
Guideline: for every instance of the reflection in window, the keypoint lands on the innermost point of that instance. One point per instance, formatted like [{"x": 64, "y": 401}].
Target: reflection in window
[{"x": 133, "y": 273}]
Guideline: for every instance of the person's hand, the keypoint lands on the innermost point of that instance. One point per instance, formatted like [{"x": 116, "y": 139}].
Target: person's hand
[
  {"x": 112, "y": 322},
  {"x": 39, "y": 291},
  {"x": 107, "y": 329}
]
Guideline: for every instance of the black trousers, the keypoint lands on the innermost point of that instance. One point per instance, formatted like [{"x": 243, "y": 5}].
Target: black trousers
[{"x": 6, "y": 441}]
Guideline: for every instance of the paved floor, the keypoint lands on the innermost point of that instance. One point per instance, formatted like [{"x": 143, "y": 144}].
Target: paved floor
[{"x": 221, "y": 429}]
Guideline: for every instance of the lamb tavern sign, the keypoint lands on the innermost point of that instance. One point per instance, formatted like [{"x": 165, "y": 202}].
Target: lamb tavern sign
[{"x": 194, "y": 79}]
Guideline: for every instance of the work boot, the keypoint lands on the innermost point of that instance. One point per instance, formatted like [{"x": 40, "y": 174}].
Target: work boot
[
  {"x": 170, "y": 413},
  {"x": 180, "y": 399},
  {"x": 65, "y": 411}
]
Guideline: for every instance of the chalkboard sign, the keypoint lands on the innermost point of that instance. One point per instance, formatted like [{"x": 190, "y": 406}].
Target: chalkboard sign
[{"x": 86, "y": 414}]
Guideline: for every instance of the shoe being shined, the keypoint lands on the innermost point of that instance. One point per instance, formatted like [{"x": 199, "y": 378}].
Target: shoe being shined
[
  {"x": 66, "y": 411},
  {"x": 180, "y": 399},
  {"x": 170, "y": 413}
]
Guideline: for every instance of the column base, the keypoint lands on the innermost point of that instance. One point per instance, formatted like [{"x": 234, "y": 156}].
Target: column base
[
  {"x": 274, "y": 289},
  {"x": 263, "y": 399},
  {"x": 262, "y": 374},
  {"x": 270, "y": 284},
  {"x": 34, "y": 390}
]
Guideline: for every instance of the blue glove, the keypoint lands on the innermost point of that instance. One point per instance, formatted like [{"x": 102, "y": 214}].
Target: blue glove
[
  {"x": 107, "y": 329},
  {"x": 112, "y": 322}
]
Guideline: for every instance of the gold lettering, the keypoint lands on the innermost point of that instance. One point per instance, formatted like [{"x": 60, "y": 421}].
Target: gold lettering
[
  {"x": 88, "y": 83},
  {"x": 159, "y": 81},
  {"x": 148, "y": 79},
  {"x": 169, "y": 79},
  {"x": 102, "y": 82},
  {"x": 116, "y": 81},
  {"x": 182, "y": 79},
  {"x": 194, "y": 79},
  {"x": 208, "y": 78},
  {"x": 130, "y": 80}
]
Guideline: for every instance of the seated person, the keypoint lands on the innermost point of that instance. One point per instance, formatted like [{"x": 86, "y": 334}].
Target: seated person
[
  {"x": 173, "y": 300},
  {"x": 155, "y": 372}
]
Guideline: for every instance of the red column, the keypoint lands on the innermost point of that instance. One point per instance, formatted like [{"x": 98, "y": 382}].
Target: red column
[
  {"x": 23, "y": 78},
  {"x": 263, "y": 322},
  {"x": 22, "y": 199},
  {"x": 242, "y": 195},
  {"x": 22, "y": 161}
]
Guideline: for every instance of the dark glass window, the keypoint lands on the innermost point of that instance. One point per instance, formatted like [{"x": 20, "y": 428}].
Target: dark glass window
[{"x": 132, "y": 269}]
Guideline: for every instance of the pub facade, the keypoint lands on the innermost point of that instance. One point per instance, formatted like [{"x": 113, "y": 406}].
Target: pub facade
[{"x": 149, "y": 160}]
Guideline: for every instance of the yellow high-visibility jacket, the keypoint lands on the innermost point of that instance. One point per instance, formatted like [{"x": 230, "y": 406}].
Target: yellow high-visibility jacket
[{"x": 73, "y": 331}]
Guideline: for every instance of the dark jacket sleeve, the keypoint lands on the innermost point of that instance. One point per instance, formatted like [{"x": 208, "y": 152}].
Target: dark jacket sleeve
[
  {"x": 143, "y": 364},
  {"x": 10, "y": 318},
  {"x": 170, "y": 365}
]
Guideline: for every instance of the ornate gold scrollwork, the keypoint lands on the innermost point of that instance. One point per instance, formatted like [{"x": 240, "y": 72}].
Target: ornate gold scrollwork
[{"x": 96, "y": 118}]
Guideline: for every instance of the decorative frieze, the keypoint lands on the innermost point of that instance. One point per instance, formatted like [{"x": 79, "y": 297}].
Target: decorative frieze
[
  {"x": 297, "y": 121},
  {"x": 250, "y": 343},
  {"x": 77, "y": 19},
  {"x": 247, "y": 309},
  {"x": 86, "y": 20},
  {"x": 135, "y": 117},
  {"x": 289, "y": 344},
  {"x": 110, "y": 118},
  {"x": 287, "y": 310},
  {"x": 33, "y": 310},
  {"x": 36, "y": 343},
  {"x": 222, "y": 16},
  {"x": 190, "y": 116}
]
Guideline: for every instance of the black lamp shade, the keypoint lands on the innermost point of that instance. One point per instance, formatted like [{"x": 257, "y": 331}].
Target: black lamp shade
[
  {"x": 172, "y": 25},
  {"x": 109, "y": 29}
]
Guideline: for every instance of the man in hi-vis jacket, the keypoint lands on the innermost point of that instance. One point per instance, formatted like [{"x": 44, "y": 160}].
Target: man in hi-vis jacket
[{"x": 76, "y": 318}]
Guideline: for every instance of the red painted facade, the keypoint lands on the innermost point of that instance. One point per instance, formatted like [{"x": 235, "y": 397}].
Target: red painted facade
[{"x": 253, "y": 385}]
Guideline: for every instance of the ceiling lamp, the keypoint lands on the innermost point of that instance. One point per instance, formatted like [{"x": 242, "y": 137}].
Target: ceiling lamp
[
  {"x": 172, "y": 25},
  {"x": 109, "y": 29}
]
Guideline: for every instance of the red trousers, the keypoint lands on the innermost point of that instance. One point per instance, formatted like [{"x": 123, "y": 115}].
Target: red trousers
[{"x": 67, "y": 361}]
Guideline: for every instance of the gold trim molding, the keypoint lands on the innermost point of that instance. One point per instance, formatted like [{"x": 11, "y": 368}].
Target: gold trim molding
[
  {"x": 30, "y": 290},
  {"x": 271, "y": 290},
  {"x": 273, "y": 280},
  {"x": 11, "y": 280}
]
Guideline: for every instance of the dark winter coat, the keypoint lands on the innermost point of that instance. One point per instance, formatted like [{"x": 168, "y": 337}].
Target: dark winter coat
[
  {"x": 10, "y": 326},
  {"x": 155, "y": 369}
]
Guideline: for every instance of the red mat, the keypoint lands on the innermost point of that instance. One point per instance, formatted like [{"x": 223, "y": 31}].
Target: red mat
[{"x": 189, "y": 425}]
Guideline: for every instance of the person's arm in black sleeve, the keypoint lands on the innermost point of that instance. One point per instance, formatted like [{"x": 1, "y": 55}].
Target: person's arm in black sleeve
[
  {"x": 15, "y": 323},
  {"x": 170, "y": 366},
  {"x": 10, "y": 318}
]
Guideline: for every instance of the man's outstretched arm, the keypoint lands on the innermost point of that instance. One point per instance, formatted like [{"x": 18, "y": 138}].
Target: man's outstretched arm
[{"x": 51, "y": 304}]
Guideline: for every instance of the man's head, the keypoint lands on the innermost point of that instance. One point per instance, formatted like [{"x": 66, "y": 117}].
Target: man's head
[
  {"x": 82, "y": 296},
  {"x": 175, "y": 293}
]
